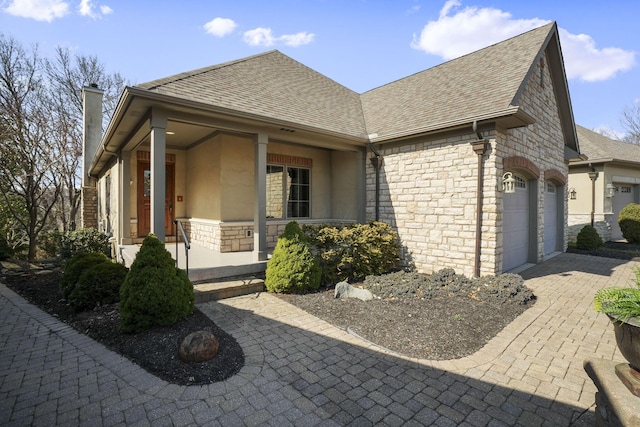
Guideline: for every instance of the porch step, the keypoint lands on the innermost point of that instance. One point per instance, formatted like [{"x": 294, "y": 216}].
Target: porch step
[{"x": 213, "y": 291}]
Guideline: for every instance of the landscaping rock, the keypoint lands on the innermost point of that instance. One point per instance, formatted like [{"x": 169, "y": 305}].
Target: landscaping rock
[
  {"x": 345, "y": 290},
  {"x": 198, "y": 347}
]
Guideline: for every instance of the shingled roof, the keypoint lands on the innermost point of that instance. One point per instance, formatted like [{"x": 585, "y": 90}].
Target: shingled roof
[
  {"x": 599, "y": 148},
  {"x": 273, "y": 86},
  {"x": 479, "y": 85},
  {"x": 483, "y": 85}
]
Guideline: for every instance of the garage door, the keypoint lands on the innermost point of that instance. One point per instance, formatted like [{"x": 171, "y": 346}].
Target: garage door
[
  {"x": 516, "y": 226},
  {"x": 624, "y": 194},
  {"x": 550, "y": 218}
]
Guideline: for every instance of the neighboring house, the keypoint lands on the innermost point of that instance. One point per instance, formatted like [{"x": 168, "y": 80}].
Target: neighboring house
[
  {"x": 603, "y": 182},
  {"x": 239, "y": 149}
]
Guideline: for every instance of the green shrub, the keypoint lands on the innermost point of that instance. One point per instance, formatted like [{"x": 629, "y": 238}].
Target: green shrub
[
  {"x": 84, "y": 240},
  {"x": 354, "y": 251},
  {"x": 588, "y": 238},
  {"x": 5, "y": 250},
  {"x": 629, "y": 221},
  {"x": 98, "y": 285},
  {"x": 76, "y": 266},
  {"x": 292, "y": 267},
  {"x": 49, "y": 244},
  {"x": 154, "y": 292}
]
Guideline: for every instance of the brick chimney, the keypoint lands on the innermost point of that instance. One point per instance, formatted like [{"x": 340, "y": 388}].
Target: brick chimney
[{"x": 91, "y": 136}]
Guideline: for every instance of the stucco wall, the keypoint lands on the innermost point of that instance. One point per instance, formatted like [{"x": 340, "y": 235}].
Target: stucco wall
[{"x": 203, "y": 178}]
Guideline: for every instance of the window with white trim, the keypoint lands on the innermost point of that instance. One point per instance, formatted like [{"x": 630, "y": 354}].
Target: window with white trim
[
  {"x": 520, "y": 182},
  {"x": 288, "y": 194}
]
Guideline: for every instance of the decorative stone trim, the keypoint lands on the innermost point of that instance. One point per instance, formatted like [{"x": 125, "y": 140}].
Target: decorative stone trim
[
  {"x": 555, "y": 176},
  {"x": 237, "y": 236},
  {"x": 284, "y": 159},
  {"x": 523, "y": 165},
  {"x": 146, "y": 156}
]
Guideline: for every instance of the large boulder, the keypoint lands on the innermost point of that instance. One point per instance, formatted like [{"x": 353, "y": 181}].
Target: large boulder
[
  {"x": 198, "y": 347},
  {"x": 345, "y": 290}
]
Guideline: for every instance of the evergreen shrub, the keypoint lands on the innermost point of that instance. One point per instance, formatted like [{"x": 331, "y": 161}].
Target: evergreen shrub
[
  {"x": 355, "y": 251},
  {"x": 629, "y": 221},
  {"x": 154, "y": 292},
  {"x": 98, "y": 285},
  {"x": 588, "y": 238},
  {"x": 292, "y": 267},
  {"x": 84, "y": 240},
  {"x": 76, "y": 266}
]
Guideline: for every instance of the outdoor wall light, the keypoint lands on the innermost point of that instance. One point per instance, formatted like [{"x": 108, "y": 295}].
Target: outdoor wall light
[
  {"x": 572, "y": 193},
  {"x": 611, "y": 190},
  {"x": 507, "y": 183}
]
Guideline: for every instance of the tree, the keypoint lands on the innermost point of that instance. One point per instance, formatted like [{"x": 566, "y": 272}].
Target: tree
[
  {"x": 67, "y": 74},
  {"x": 29, "y": 187},
  {"x": 41, "y": 136},
  {"x": 631, "y": 122}
]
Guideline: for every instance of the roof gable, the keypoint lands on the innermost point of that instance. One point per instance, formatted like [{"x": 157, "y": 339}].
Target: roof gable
[
  {"x": 482, "y": 85},
  {"x": 273, "y": 86}
]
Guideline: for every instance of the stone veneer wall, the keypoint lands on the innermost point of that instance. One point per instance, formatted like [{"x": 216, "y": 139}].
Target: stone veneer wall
[
  {"x": 428, "y": 187},
  {"x": 233, "y": 236},
  {"x": 601, "y": 222}
]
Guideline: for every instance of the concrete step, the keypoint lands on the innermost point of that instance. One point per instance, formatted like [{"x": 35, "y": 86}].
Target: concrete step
[{"x": 213, "y": 291}]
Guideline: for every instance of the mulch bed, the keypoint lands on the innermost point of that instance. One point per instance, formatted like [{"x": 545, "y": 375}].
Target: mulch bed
[{"x": 435, "y": 329}]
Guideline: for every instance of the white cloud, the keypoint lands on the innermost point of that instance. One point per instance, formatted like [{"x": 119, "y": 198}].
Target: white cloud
[
  {"x": 86, "y": 8},
  {"x": 585, "y": 62},
  {"x": 40, "y": 10},
  {"x": 264, "y": 37},
  {"x": 220, "y": 27},
  {"x": 459, "y": 31},
  {"x": 297, "y": 39},
  {"x": 259, "y": 37},
  {"x": 468, "y": 30}
]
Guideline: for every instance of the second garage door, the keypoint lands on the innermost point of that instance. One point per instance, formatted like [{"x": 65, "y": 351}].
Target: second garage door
[{"x": 516, "y": 226}]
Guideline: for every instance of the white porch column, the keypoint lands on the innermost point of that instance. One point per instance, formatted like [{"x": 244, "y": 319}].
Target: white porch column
[
  {"x": 158, "y": 178},
  {"x": 260, "y": 199},
  {"x": 124, "y": 201}
]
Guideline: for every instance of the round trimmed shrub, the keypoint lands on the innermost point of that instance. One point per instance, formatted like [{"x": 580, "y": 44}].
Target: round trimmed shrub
[
  {"x": 84, "y": 240},
  {"x": 292, "y": 267},
  {"x": 98, "y": 285},
  {"x": 154, "y": 292},
  {"x": 588, "y": 238},
  {"x": 629, "y": 221},
  {"x": 76, "y": 266}
]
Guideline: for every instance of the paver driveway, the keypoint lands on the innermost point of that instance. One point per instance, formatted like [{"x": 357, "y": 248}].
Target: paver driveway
[{"x": 302, "y": 371}]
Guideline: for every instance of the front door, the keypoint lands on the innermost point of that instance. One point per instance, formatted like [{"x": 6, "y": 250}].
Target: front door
[{"x": 144, "y": 198}]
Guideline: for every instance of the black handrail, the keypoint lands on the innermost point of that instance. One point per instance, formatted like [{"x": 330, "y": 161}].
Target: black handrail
[{"x": 187, "y": 245}]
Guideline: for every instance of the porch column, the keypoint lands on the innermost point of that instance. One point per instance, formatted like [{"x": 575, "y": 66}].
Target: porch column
[
  {"x": 260, "y": 199},
  {"x": 158, "y": 178},
  {"x": 125, "y": 198}
]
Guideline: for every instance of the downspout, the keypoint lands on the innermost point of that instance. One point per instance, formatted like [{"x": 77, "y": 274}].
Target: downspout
[
  {"x": 593, "y": 175},
  {"x": 377, "y": 163},
  {"x": 480, "y": 148}
]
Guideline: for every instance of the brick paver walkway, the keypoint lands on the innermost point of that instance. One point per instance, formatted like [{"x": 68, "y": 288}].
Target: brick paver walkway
[{"x": 301, "y": 371}]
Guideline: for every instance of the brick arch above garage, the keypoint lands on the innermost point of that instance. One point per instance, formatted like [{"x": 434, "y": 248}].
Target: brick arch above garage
[
  {"x": 555, "y": 176},
  {"x": 521, "y": 165}
]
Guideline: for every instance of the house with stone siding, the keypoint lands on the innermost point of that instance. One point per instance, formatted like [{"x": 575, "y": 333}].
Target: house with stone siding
[
  {"x": 236, "y": 150},
  {"x": 602, "y": 182}
]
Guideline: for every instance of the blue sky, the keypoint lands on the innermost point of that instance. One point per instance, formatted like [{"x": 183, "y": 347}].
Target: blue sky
[{"x": 361, "y": 44}]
